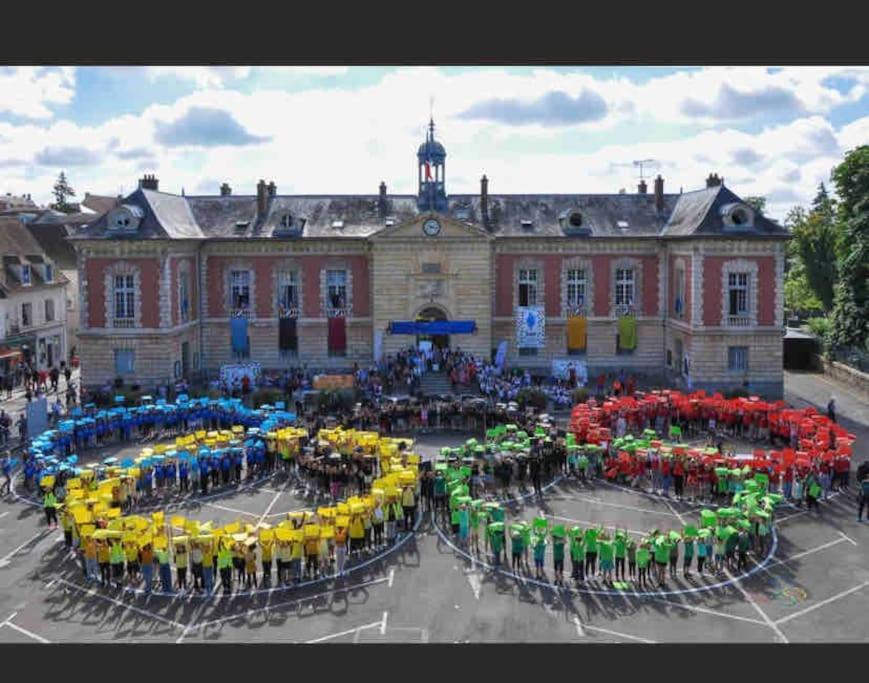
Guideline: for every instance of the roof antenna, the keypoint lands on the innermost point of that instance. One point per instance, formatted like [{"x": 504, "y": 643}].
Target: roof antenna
[{"x": 646, "y": 162}]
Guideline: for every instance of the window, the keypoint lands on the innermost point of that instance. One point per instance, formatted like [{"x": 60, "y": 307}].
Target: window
[
  {"x": 25, "y": 275},
  {"x": 49, "y": 272},
  {"x": 737, "y": 358},
  {"x": 737, "y": 292},
  {"x": 288, "y": 290},
  {"x": 239, "y": 289},
  {"x": 624, "y": 287},
  {"x": 669, "y": 358},
  {"x": 49, "y": 310},
  {"x": 184, "y": 296},
  {"x": 336, "y": 288},
  {"x": 679, "y": 289},
  {"x": 26, "y": 315},
  {"x": 125, "y": 300},
  {"x": 527, "y": 287},
  {"x": 575, "y": 287},
  {"x": 286, "y": 221},
  {"x": 125, "y": 361},
  {"x": 527, "y": 351},
  {"x": 431, "y": 268}
]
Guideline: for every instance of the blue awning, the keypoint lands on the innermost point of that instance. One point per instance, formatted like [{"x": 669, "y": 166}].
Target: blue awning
[{"x": 433, "y": 327}]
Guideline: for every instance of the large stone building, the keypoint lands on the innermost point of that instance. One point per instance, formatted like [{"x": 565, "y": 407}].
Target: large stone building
[{"x": 659, "y": 284}]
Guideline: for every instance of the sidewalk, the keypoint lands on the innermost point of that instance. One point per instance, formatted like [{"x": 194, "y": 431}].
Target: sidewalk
[{"x": 813, "y": 388}]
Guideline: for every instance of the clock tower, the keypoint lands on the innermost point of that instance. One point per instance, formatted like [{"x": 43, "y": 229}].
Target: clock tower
[{"x": 431, "y": 157}]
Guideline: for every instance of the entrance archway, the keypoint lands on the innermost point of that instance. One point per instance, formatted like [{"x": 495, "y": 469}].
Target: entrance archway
[{"x": 430, "y": 314}]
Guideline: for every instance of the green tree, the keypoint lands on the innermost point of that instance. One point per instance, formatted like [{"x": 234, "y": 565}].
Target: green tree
[
  {"x": 756, "y": 203},
  {"x": 62, "y": 190},
  {"x": 815, "y": 245},
  {"x": 850, "y": 317}
]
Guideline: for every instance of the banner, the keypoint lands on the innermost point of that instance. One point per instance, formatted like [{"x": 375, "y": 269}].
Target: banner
[
  {"x": 576, "y": 333},
  {"x": 337, "y": 335},
  {"x": 288, "y": 339},
  {"x": 238, "y": 332},
  {"x": 530, "y": 327},
  {"x": 378, "y": 345},
  {"x": 230, "y": 373},
  {"x": 627, "y": 326},
  {"x": 432, "y": 327},
  {"x": 561, "y": 370},
  {"x": 328, "y": 382},
  {"x": 37, "y": 416},
  {"x": 501, "y": 355}
]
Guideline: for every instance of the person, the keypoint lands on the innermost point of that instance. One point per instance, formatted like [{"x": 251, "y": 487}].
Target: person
[
  {"x": 357, "y": 534},
  {"x": 165, "y": 568},
  {"x": 207, "y": 567},
  {"x": 606, "y": 551},
  {"x": 539, "y": 555},
  {"x": 340, "y": 549},
  {"x": 643, "y": 561},
  {"x": 92, "y": 567},
  {"x": 116, "y": 558},
  {"x": 408, "y": 503},
  {"x": 743, "y": 544},
  {"x": 250, "y": 566},
  {"x": 196, "y": 558},
  {"x": 146, "y": 560},
  {"x": 66, "y": 523},
  {"x": 224, "y": 566},
  {"x": 181, "y": 560},
  {"x": 464, "y": 526},
  {"x": 49, "y": 504},
  {"x": 517, "y": 548},
  {"x": 632, "y": 559},
  {"x": 831, "y": 409},
  {"x": 662, "y": 559},
  {"x": 104, "y": 558},
  {"x": 674, "y": 555},
  {"x": 558, "y": 557},
  {"x": 701, "y": 554},
  {"x": 590, "y": 543},
  {"x": 688, "y": 555},
  {"x": 7, "y": 475},
  {"x": 620, "y": 546}
]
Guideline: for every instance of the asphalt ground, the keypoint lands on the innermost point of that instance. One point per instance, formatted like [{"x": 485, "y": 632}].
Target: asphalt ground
[{"x": 812, "y": 587}]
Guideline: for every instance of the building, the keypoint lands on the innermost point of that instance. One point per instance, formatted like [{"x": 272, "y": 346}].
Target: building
[
  {"x": 12, "y": 204},
  {"x": 51, "y": 229},
  {"x": 32, "y": 302},
  {"x": 670, "y": 286}
]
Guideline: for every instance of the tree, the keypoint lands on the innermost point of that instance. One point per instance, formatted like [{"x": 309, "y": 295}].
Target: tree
[
  {"x": 62, "y": 189},
  {"x": 850, "y": 322},
  {"x": 815, "y": 245},
  {"x": 823, "y": 204},
  {"x": 756, "y": 203}
]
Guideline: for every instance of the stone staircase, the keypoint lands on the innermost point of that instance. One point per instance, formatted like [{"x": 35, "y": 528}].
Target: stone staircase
[{"x": 435, "y": 383}]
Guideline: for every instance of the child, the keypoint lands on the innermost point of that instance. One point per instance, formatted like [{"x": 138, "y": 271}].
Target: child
[
  {"x": 539, "y": 554},
  {"x": 577, "y": 554},
  {"x": 606, "y": 552},
  {"x": 688, "y": 550},
  {"x": 719, "y": 553},
  {"x": 590, "y": 543},
  {"x": 662, "y": 558},
  {"x": 117, "y": 560},
  {"x": 517, "y": 547},
  {"x": 340, "y": 549},
  {"x": 709, "y": 545},
  {"x": 475, "y": 520},
  {"x": 620, "y": 545},
  {"x": 743, "y": 543},
  {"x": 632, "y": 559},
  {"x": 558, "y": 557},
  {"x": 701, "y": 554},
  {"x": 250, "y": 565},
  {"x": 643, "y": 560},
  {"x": 181, "y": 564},
  {"x": 464, "y": 526},
  {"x": 674, "y": 555}
]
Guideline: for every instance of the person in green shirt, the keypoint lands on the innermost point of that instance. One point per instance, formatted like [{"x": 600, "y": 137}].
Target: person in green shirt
[
  {"x": 688, "y": 551},
  {"x": 590, "y": 543},
  {"x": 730, "y": 550},
  {"x": 620, "y": 545},
  {"x": 744, "y": 543},
  {"x": 643, "y": 560},
  {"x": 558, "y": 558},
  {"x": 116, "y": 557},
  {"x": 224, "y": 566},
  {"x": 674, "y": 556},
  {"x": 607, "y": 553},
  {"x": 662, "y": 558},
  {"x": 577, "y": 554},
  {"x": 495, "y": 537},
  {"x": 539, "y": 555}
]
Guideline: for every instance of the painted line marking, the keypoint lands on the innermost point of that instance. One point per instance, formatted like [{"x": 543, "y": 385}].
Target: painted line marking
[
  {"x": 391, "y": 576},
  {"x": 267, "y": 608},
  {"x": 776, "y": 563},
  {"x": 704, "y": 610},
  {"x": 191, "y": 625},
  {"x": 823, "y": 602},
  {"x": 848, "y": 538},
  {"x": 25, "y": 632},
  {"x": 93, "y": 592},
  {"x": 272, "y": 504},
  {"x": 619, "y": 634},
  {"x": 355, "y": 631},
  {"x": 8, "y": 619},
  {"x": 779, "y": 520},
  {"x": 769, "y": 622},
  {"x": 604, "y": 503},
  {"x": 229, "y": 509},
  {"x": 3, "y": 514},
  {"x": 585, "y": 521},
  {"x": 5, "y": 559},
  {"x": 673, "y": 510},
  {"x": 578, "y": 623},
  {"x": 383, "y": 624}
]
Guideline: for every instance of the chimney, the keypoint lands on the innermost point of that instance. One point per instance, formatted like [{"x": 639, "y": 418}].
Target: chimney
[
  {"x": 642, "y": 188},
  {"x": 273, "y": 189},
  {"x": 262, "y": 199},
  {"x": 381, "y": 201},
  {"x": 484, "y": 199},
  {"x": 149, "y": 182},
  {"x": 225, "y": 190},
  {"x": 659, "y": 193},
  {"x": 713, "y": 180}
]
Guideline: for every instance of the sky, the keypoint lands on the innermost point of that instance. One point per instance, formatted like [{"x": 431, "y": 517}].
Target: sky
[{"x": 774, "y": 132}]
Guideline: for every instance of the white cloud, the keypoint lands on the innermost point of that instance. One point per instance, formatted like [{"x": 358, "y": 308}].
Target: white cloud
[
  {"x": 27, "y": 91},
  {"x": 201, "y": 76}
]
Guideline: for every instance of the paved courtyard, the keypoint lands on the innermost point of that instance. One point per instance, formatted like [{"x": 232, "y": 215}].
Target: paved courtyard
[{"x": 813, "y": 587}]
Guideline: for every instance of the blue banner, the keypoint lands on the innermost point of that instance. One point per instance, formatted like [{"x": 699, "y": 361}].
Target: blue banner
[
  {"x": 433, "y": 327},
  {"x": 238, "y": 329}
]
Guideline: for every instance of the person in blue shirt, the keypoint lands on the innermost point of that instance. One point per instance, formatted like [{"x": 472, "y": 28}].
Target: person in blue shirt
[
  {"x": 158, "y": 476},
  {"x": 203, "y": 474},
  {"x": 183, "y": 477}
]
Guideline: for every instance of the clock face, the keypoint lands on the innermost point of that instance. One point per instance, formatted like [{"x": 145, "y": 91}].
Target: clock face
[{"x": 431, "y": 227}]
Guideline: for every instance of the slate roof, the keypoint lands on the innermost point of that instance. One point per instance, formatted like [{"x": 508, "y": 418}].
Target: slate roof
[
  {"x": 18, "y": 246},
  {"x": 52, "y": 228},
  {"x": 605, "y": 215},
  {"x": 99, "y": 203}
]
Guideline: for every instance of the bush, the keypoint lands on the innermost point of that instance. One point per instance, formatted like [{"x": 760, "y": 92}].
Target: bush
[
  {"x": 535, "y": 398},
  {"x": 580, "y": 395},
  {"x": 820, "y": 327}
]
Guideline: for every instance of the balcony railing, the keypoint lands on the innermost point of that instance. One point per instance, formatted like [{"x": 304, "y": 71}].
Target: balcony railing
[
  {"x": 240, "y": 313},
  {"x": 743, "y": 320},
  {"x": 625, "y": 309},
  {"x": 124, "y": 323}
]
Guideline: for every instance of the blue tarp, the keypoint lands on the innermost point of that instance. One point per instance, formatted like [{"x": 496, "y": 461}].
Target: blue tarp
[{"x": 433, "y": 327}]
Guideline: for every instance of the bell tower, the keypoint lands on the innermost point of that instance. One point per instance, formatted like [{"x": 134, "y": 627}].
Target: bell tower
[{"x": 431, "y": 157}]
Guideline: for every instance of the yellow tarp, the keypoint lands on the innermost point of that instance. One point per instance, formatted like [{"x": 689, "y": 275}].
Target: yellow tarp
[{"x": 577, "y": 332}]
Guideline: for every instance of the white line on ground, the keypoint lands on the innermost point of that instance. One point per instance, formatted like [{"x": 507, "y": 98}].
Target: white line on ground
[
  {"x": 775, "y": 563},
  {"x": 673, "y": 510},
  {"x": 750, "y": 600},
  {"x": 229, "y": 509},
  {"x": 8, "y": 619},
  {"x": 272, "y": 504},
  {"x": 50, "y": 584},
  {"x": 383, "y": 623},
  {"x": 132, "y": 608},
  {"x": 585, "y": 521},
  {"x": 604, "y": 503},
  {"x": 704, "y": 610},
  {"x": 848, "y": 538},
  {"x": 191, "y": 625},
  {"x": 578, "y": 623},
  {"x": 391, "y": 576},
  {"x": 617, "y": 633},
  {"x": 822, "y": 603},
  {"x": 269, "y": 608},
  {"x": 779, "y": 520},
  {"x": 344, "y": 633},
  {"x": 3, "y": 514},
  {"x": 26, "y": 632},
  {"x": 5, "y": 559}
]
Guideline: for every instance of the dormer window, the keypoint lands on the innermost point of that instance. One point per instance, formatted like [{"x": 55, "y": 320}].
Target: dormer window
[
  {"x": 574, "y": 223},
  {"x": 527, "y": 225},
  {"x": 575, "y": 219},
  {"x": 286, "y": 221},
  {"x": 49, "y": 272},
  {"x": 126, "y": 217},
  {"x": 737, "y": 216},
  {"x": 25, "y": 274},
  {"x": 337, "y": 225}
]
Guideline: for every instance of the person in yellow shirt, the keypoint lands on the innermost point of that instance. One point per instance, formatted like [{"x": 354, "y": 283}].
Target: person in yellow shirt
[
  {"x": 207, "y": 567},
  {"x": 295, "y": 555},
  {"x": 340, "y": 549},
  {"x": 408, "y": 504},
  {"x": 312, "y": 554},
  {"x": 250, "y": 566},
  {"x": 357, "y": 534},
  {"x": 238, "y": 557},
  {"x": 224, "y": 566},
  {"x": 266, "y": 558},
  {"x": 117, "y": 554},
  {"x": 181, "y": 562},
  {"x": 104, "y": 559},
  {"x": 90, "y": 559},
  {"x": 131, "y": 551}
]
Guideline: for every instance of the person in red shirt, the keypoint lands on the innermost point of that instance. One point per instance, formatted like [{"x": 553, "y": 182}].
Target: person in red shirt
[
  {"x": 842, "y": 468},
  {"x": 678, "y": 478}
]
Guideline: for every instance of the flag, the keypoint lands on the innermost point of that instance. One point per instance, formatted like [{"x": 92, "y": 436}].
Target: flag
[
  {"x": 337, "y": 335},
  {"x": 428, "y": 170},
  {"x": 576, "y": 332}
]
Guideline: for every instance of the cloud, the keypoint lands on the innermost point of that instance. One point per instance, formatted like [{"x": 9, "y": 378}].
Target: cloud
[
  {"x": 731, "y": 104},
  {"x": 67, "y": 156},
  {"x": 746, "y": 157},
  {"x": 552, "y": 109},
  {"x": 135, "y": 153},
  {"x": 201, "y": 76},
  {"x": 29, "y": 91},
  {"x": 205, "y": 127}
]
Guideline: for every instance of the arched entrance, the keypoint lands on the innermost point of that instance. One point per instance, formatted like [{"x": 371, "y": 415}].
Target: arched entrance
[{"x": 430, "y": 314}]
